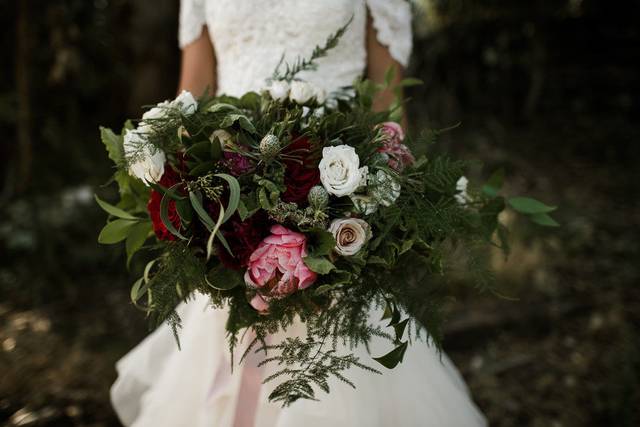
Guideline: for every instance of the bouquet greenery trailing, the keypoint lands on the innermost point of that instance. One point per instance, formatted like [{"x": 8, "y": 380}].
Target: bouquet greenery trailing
[{"x": 293, "y": 206}]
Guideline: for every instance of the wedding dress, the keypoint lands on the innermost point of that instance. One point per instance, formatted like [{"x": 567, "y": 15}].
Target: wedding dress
[{"x": 158, "y": 384}]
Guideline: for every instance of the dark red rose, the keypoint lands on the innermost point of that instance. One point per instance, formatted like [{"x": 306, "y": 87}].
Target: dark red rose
[
  {"x": 243, "y": 238},
  {"x": 169, "y": 178},
  {"x": 301, "y": 172}
]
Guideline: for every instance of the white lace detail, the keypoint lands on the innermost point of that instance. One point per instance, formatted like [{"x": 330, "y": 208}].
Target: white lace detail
[
  {"x": 392, "y": 21},
  {"x": 250, "y": 36},
  {"x": 192, "y": 20}
]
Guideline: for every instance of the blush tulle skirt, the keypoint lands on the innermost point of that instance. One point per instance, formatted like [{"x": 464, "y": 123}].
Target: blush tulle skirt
[{"x": 160, "y": 385}]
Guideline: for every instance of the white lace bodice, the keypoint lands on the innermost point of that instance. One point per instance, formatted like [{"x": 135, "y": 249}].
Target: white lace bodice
[{"x": 250, "y": 37}]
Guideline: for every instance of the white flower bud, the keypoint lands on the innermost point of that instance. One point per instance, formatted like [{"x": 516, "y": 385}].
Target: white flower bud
[
  {"x": 146, "y": 161},
  {"x": 186, "y": 103},
  {"x": 279, "y": 90},
  {"x": 462, "y": 197},
  {"x": 301, "y": 92}
]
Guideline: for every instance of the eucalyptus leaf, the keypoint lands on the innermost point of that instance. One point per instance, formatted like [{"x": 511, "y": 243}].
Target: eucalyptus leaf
[
  {"x": 214, "y": 232},
  {"x": 196, "y": 202},
  {"x": 115, "y": 231},
  {"x": 234, "y": 195},
  {"x": 113, "y": 210},
  {"x": 164, "y": 215}
]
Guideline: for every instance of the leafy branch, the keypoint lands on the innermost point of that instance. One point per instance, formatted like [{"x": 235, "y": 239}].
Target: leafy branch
[{"x": 306, "y": 64}]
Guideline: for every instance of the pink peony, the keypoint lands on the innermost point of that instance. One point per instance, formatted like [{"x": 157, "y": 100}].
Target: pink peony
[
  {"x": 399, "y": 154},
  {"x": 276, "y": 268}
]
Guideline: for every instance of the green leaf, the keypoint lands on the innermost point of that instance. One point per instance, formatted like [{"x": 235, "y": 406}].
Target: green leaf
[
  {"x": 241, "y": 119},
  {"x": 251, "y": 101},
  {"x": 164, "y": 215},
  {"x": 202, "y": 168},
  {"x": 389, "y": 75},
  {"x": 136, "y": 238},
  {"x": 544, "y": 219},
  {"x": 200, "y": 150},
  {"x": 183, "y": 207},
  {"x": 196, "y": 202},
  {"x": 234, "y": 195},
  {"x": 221, "y": 216},
  {"x": 243, "y": 212},
  {"x": 265, "y": 203},
  {"x": 224, "y": 279},
  {"x": 114, "y": 145},
  {"x": 410, "y": 81},
  {"x": 138, "y": 290},
  {"x": 320, "y": 242},
  {"x": 395, "y": 356},
  {"x": 529, "y": 206},
  {"x": 221, "y": 107},
  {"x": 113, "y": 210},
  {"x": 115, "y": 231},
  {"x": 319, "y": 265}
]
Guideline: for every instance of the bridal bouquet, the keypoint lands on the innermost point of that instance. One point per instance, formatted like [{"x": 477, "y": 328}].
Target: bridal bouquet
[{"x": 291, "y": 205}]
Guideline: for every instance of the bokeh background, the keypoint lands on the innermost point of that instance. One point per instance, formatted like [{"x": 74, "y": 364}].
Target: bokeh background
[{"x": 546, "y": 89}]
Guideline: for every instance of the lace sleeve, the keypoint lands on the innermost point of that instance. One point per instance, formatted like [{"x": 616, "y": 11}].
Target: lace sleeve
[
  {"x": 192, "y": 19},
  {"x": 392, "y": 21}
]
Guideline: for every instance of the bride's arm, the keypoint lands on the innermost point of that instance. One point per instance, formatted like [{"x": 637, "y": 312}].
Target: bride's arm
[
  {"x": 378, "y": 62},
  {"x": 198, "y": 67}
]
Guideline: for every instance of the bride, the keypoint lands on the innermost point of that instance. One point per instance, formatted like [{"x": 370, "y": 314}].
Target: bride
[{"x": 231, "y": 47}]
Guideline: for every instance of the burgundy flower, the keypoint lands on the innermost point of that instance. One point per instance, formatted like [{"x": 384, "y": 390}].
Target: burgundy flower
[
  {"x": 243, "y": 238},
  {"x": 301, "y": 172},
  {"x": 237, "y": 163},
  {"x": 169, "y": 179},
  {"x": 399, "y": 154}
]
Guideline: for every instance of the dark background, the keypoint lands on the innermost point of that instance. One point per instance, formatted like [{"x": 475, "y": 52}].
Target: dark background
[{"x": 547, "y": 90}]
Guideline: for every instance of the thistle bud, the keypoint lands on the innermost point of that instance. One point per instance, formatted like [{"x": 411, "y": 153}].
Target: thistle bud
[
  {"x": 318, "y": 197},
  {"x": 269, "y": 146}
]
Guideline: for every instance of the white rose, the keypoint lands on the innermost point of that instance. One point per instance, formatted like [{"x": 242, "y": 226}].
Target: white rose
[
  {"x": 301, "y": 92},
  {"x": 186, "y": 103},
  {"x": 146, "y": 162},
  {"x": 279, "y": 90},
  {"x": 320, "y": 95},
  {"x": 157, "y": 112},
  {"x": 351, "y": 235},
  {"x": 340, "y": 170},
  {"x": 462, "y": 196}
]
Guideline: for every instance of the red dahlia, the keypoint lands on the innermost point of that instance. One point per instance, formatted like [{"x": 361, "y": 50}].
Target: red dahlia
[
  {"x": 169, "y": 179},
  {"x": 301, "y": 173}
]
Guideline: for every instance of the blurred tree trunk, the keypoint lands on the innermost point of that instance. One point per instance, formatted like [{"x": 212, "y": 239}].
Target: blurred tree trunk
[
  {"x": 22, "y": 172},
  {"x": 154, "y": 47}
]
